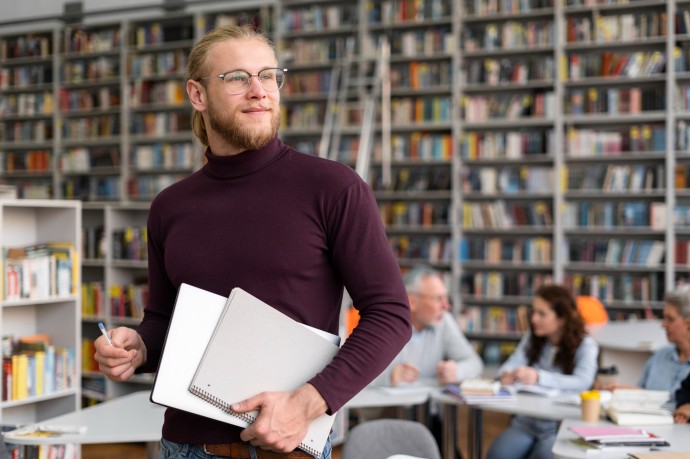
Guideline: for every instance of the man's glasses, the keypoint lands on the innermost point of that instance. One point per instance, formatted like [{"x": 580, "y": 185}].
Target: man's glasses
[{"x": 239, "y": 81}]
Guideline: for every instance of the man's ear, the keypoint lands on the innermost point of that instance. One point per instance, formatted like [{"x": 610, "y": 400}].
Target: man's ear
[{"x": 197, "y": 95}]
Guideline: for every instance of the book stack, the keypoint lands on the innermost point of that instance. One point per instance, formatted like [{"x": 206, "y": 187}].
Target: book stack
[
  {"x": 480, "y": 391},
  {"x": 639, "y": 407},
  {"x": 606, "y": 438}
]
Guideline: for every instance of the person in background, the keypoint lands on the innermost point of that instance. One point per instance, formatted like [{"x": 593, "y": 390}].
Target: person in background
[
  {"x": 670, "y": 365},
  {"x": 290, "y": 228},
  {"x": 438, "y": 352},
  {"x": 556, "y": 353}
]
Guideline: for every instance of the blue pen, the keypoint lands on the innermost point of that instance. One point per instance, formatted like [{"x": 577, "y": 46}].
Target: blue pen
[{"x": 105, "y": 333}]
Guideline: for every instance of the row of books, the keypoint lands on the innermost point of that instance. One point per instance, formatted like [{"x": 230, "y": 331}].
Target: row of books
[
  {"x": 92, "y": 41},
  {"x": 311, "y": 82},
  {"x": 90, "y": 70},
  {"x": 638, "y": 177},
  {"x": 146, "y": 65},
  {"x": 486, "y": 7},
  {"x": 494, "y": 319},
  {"x": 494, "y": 352},
  {"x": 92, "y": 299},
  {"x": 161, "y": 123},
  {"x": 417, "y": 75},
  {"x": 682, "y": 253},
  {"x": 413, "y": 179},
  {"x": 26, "y": 104},
  {"x": 506, "y": 144},
  {"x": 498, "y": 249},
  {"x": 145, "y": 188},
  {"x": 406, "y": 110},
  {"x": 626, "y": 288},
  {"x": 414, "y": 213},
  {"x": 163, "y": 156},
  {"x": 33, "y": 189},
  {"x": 40, "y": 271},
  {"x": 510, "y": 179},
  {"x": 616, "y": 28},
  {"x": 516, "y": 70},
  {"x": 29, "y": 45},
  {"x": 616, "y": 141},
  {"x": 25, "y": 76},
  {"x": 494, "y": 285},
  {"x": 319, "y": 18},
  {"x": 413, "y": 44},
  {"x": 303, "y": 52},
  {"x": 508, "y": 35},
  {"x": 26, "y": 131},
  {"x": 91, "y": 188},
  {"x": 91, "y": 127},
  {"x": 430, "y": 249},
  {"x": 609, "y": 64},
  {"x": 616, "y": 252},
  {"x": 170, "y": 92},
  {"x": 395, "y": 11},
  {"x": 75, "y": 160},
  {"x": 87, "y": 99},
  {"x": 57, "y": 451},
  {"x": 418, "y": 146},
  {"x": 28, "y": 161},
  {"x": 32, "y": 367},
  {"x": 130, "y": 243},
  {"x": 614, "y": 101},
  {"x": 484, "y": 108},
  {"x": 157, "y": 33},
  {"x": 593, "y": 214},
  {"x": 129, "y": 300},
  {"x": 505, "y": 215}
]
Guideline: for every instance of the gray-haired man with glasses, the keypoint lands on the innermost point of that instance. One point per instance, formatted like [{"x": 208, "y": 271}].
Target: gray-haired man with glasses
[{"x": 290, "y": 228}]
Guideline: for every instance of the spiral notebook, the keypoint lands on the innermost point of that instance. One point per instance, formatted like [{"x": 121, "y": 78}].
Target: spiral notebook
[
  {"x": 256, "y": 348},
  {"x": 193, "y": 323}
]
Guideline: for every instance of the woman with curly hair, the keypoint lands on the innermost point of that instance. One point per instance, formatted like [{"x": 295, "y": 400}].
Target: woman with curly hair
[{"x": 557, "y": 353}]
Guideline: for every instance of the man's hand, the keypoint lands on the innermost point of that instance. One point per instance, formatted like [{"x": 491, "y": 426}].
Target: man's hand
[
  {"x": 127, "y": 353},
  {"x": 446, "y": 372},
  {"x": 283, "y": 418},
  {"x": 682, "y": 414},
  {"x": 404, "y": 373}
]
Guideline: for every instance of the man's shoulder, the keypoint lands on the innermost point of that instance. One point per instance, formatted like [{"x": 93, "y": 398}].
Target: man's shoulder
[{"x": 317, "y": 165}]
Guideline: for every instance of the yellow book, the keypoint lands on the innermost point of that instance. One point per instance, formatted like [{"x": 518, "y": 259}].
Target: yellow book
[
  {"x": 40, "y": 358},
  {"x": 21, "y": 375}
]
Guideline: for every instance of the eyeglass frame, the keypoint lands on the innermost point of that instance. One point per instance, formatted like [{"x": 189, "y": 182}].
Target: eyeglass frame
[{"x": 222, "y": 77}]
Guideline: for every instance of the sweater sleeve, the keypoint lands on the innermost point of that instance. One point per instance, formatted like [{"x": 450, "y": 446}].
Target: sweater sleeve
[
  {"x": 362, "y": 256},
  {"x": 458, "y": 348}
]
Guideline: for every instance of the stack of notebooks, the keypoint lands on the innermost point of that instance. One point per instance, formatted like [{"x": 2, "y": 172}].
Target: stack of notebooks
[
  {"x": 480, "y": 391},
  {"x": 219, "y": 351},
  {"x": 607, "y": 438}
]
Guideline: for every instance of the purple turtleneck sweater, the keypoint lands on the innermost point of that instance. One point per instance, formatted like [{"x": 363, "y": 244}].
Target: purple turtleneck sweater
[{"x": 292, "y": 230}]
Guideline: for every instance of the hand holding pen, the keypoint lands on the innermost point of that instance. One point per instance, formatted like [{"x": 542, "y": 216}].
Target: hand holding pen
[{"x": 119, "y": 352}]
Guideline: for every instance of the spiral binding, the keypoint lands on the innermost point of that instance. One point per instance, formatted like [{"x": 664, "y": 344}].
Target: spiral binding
[{"x": 246, "y": 417}]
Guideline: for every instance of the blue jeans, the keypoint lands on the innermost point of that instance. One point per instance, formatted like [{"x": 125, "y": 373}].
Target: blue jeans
[
  {"x": 172, "y": 450},
  {"x": 526, "y": 438}
]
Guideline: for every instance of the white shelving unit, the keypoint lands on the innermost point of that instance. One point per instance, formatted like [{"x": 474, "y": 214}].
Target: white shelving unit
[{"x": 23, "y": 223}]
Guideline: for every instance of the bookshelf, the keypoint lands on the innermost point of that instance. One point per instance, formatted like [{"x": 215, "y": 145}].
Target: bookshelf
[
  {"x": 37, "y": 311},
  {"x": 532, "y": 141}
]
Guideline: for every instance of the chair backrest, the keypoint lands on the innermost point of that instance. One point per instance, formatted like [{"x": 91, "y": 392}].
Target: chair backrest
[
  {"x": 382, "y": 438},
  {"x": 592, "y": 310}
]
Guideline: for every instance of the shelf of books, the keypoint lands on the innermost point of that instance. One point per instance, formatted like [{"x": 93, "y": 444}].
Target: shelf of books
[{"x": 40, "y": 311}]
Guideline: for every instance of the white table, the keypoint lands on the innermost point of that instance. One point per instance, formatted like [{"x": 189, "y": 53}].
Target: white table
[
  {"x": 628, "y": 345},
  {"x": 126, "y": 419},
  {"x": 678, "y": 435},
  {"x": 525, "y": 404}
]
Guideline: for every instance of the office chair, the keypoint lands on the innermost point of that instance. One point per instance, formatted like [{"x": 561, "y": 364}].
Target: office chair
[{"x": 382, "y": 438}]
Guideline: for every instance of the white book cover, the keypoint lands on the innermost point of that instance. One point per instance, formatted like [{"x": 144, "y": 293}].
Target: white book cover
[{"x": 195, "y": 317}]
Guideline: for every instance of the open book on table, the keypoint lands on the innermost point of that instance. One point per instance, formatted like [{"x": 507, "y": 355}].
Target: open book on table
[
  {"x": 196, "y": 315},
  {"x": 616, "y": 438}
]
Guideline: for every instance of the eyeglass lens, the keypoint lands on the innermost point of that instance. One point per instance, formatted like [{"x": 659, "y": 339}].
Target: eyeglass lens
[{"x": 238, "y": 81}]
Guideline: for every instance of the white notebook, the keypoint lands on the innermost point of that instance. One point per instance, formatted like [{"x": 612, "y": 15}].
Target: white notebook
[{"x": 197, "y": 313}]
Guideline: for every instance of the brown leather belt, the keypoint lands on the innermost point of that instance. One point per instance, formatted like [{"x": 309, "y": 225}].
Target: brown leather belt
[{"x": 241, "y": 451}]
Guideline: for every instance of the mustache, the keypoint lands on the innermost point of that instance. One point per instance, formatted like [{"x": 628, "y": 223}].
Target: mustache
[{"x": 257, "y": 107}]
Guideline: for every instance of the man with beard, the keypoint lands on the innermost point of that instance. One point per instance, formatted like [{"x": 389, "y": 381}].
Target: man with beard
[{"x": 290, "y": 228}]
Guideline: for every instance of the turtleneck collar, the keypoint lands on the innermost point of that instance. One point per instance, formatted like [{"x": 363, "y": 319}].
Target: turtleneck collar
[{"x": 225, "y": 167}]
